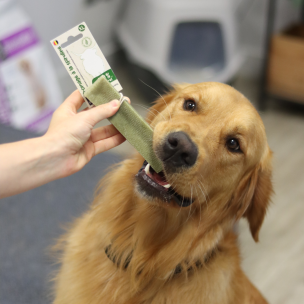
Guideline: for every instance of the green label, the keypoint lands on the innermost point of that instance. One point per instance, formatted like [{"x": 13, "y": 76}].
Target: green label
[
  {"x": 81, "y": 27},
  {"x": 110, "y": 76}
]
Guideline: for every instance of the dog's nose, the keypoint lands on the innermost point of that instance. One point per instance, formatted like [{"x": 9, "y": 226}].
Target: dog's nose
[{"x": 178, "y": 150}]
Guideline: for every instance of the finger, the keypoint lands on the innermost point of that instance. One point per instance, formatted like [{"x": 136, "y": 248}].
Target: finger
[
  {"x": 103, "y": 133},
  {"x": 96, "y": 114},
  {"x": 108, "y": 143},
  {"x": 127, "y": 99},
  {"x": 74, "y": 101}
]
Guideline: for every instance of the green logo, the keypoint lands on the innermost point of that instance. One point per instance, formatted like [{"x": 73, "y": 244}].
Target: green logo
[
  {"x": 81, "y": 27},
  {"x": 109, "y": 75},
  {"x": 86, "y": 41}
]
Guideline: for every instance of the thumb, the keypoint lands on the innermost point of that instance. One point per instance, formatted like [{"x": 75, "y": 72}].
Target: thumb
[{"x": 96, "y": 114}]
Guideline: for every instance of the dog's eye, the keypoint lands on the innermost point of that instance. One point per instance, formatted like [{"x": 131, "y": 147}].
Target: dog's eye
[
  {"x": 233, "y": 145},
  {"x": 189, "y": 105}
]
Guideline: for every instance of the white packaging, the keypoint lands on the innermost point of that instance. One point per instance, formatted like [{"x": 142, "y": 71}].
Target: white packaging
[
  {"x": 29, "y": 92},
  {"x": 83, "y": 59}
]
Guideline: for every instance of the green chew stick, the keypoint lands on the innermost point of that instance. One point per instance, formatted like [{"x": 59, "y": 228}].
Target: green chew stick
[{"x": 126, "y": 120}]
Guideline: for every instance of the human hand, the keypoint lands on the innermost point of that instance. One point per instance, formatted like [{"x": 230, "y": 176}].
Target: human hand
[{"x": 74, "y": 135}]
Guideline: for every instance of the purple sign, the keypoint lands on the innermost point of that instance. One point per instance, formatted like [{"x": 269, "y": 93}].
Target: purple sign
[{"x": 18, "y": 42}]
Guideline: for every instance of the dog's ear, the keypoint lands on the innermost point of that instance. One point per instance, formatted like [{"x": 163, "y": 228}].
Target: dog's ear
[{"x": 254, "y": 196}]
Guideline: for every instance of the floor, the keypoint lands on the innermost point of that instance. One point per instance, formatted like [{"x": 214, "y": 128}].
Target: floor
[{"x": 276, "y": 264}]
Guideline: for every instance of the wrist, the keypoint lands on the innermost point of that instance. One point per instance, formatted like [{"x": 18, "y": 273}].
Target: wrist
[
  {"x": 46, "y": 160},
  {"x": 55, "y": 156}
]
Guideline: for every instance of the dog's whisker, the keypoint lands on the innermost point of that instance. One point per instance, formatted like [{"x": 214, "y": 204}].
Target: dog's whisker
[
  {"x": 173, "y": 188},
  {"x": 199, "y": 223},
  {"x": 194, "y": 209},
  {"x": 191, "y": 204},
  {"x": 201, "y": 180},
  {"x": 140, "y": 105},
  {"x": 160, "y": 114},
  {"x": 172, "y": 184},
  {"x": 158, "y": 94},
  {"x": 203, "y": 195},
  {"x": 146, "y": 108},
  {"x": 206, "y": 193},
  {"x": 207, "y": 198},
  {"x": 149, "y": 110},
  {"x": 180, "y": 208},
  {"x": 149, "y": 121},
  {"x": 173, "y": 180},
  {"x": 200, "y": 205},
  {"x": 192, "y": 194},
  {"x": 189, "y": 213},
  {"x": 199, "y": 183}
]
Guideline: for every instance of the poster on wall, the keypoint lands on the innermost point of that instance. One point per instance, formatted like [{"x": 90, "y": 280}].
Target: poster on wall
[{"x": 29, "y": 91}]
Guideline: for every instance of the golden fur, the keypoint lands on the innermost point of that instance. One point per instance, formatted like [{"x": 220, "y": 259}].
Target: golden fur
[{"x": 225, "y": 186}]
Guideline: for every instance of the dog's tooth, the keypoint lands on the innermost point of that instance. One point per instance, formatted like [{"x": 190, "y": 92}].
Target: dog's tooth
[
  {"x": 147, "y": 169},
  {"x": 167, "y": 186}
]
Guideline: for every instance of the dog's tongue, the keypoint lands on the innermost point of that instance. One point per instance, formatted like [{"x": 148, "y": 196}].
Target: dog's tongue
[{"x": 157, "y": 177}]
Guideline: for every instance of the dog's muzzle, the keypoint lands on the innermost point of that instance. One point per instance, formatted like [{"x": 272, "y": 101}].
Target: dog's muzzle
[{"x": 177, "y": 152}]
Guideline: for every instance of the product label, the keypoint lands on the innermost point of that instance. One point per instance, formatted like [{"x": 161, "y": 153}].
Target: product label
[{"x": 83, "y": 59}]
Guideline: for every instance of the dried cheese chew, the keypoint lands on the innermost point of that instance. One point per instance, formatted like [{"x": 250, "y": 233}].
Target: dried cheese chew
[{"x": 126, "y": 120}]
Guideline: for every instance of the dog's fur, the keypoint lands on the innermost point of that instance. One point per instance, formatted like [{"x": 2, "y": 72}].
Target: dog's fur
[{"x": 225, "y": 186}]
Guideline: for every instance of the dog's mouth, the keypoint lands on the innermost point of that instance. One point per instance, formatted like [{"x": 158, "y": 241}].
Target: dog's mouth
[{"x": 155, "y": 185}]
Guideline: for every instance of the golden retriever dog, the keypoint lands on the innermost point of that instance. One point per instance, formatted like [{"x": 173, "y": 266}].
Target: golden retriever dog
[{"x": 168, "y": 237}]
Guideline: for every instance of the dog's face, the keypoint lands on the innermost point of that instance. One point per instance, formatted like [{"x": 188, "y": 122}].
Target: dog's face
[{"x": 214, "y": 151}]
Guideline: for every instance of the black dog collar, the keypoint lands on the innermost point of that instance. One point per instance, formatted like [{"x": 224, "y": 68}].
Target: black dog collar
[{"x": 178, "y": 269}]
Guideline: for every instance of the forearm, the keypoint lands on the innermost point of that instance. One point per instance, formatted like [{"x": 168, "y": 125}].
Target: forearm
[
  {"x": 27, "y": 164},
  {"x": 68, "y": 145}
]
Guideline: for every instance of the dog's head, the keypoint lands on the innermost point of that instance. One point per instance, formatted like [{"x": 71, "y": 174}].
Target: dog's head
[{"x": 215, "y": 155}]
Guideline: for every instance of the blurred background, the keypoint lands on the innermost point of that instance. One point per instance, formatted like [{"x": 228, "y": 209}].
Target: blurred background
[{"x": 257, "y": 46}]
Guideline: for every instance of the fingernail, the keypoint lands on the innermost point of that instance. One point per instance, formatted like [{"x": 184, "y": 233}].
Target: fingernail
[{"x": 115, "y": 103}]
